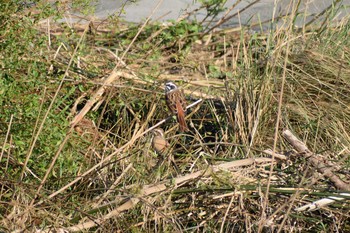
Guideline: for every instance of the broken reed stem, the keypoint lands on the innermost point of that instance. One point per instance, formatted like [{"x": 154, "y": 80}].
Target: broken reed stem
[
  {"x": 317, "y": 161},
  {"x": 167, "y": 185}
]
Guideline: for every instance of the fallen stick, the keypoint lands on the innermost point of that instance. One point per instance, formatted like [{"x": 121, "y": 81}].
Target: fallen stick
[
  {"x": 323, "y": 202},
  {"x": 95, "y": 98},
  {"x": 316, "y": 161}
]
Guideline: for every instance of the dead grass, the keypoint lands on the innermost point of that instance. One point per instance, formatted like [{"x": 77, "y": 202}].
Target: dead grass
[{"x": 221, "y": 180}]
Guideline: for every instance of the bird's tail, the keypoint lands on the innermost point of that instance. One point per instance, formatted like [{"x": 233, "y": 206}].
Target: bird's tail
[{"x": 181, "y": 118}]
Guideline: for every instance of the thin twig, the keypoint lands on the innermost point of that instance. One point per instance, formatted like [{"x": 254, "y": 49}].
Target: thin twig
[{"x": 6, "y": 137}]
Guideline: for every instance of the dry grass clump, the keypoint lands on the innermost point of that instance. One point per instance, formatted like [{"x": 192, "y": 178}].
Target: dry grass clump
[{"x": 102, "y": 174}]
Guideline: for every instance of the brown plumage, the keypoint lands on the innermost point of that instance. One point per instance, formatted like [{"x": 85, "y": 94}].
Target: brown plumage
[
  {"x": 176, "y": 102},
  {"x": 162, "y": 147},
  {"x": 159, "y": 143}
]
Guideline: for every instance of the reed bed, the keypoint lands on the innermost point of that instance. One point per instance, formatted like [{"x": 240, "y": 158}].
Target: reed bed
[{"x": 268, "y": 140}]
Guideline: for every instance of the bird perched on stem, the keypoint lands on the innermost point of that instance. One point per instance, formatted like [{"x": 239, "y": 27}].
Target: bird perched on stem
[
  {"x": 176, "y": 102},
  {"x": 161, "y": 146},
  {"x": 159, "y": 143}
]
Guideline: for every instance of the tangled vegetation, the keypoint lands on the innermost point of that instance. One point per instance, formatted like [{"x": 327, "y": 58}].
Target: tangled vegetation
[{"x": 79, "y": 104}]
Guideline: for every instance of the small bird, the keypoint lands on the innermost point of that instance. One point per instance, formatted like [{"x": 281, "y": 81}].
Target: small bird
[
  {"x": 161, "y": 146},
  {"x": 176, "y": 102},
  {"x": 159, "y": 143}
]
